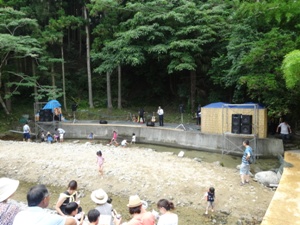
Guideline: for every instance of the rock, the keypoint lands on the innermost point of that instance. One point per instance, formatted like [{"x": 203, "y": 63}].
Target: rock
[{"x": 267, "y": 177}]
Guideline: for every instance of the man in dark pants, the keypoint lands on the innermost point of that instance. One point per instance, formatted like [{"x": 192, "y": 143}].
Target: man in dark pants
[{"x": 160, "y": 113}]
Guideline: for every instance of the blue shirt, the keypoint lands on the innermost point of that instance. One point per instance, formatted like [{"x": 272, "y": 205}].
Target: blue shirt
[{"x": 248, "y": 151}]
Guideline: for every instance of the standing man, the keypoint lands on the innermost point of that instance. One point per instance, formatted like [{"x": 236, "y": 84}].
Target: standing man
[
  {"x": 26, "y": 132},
  {"x": 245, "y": 166},
  {"x": 38, "y": 199},
  {"x": 160, "y": 113},
  {"x": 61, "y": 134},
  {"x": 285, "y": 130}
]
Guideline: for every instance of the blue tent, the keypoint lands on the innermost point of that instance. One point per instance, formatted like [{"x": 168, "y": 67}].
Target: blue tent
[{"x": 52, "y": 104}]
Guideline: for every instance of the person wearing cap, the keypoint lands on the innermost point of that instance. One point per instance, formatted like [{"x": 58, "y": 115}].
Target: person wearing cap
[
  {"x": 8, "y": 210},
  {"x": 38, "y": 199},
  {"x": 138, "y": 212},
  {"x": 100, "y": 198}
]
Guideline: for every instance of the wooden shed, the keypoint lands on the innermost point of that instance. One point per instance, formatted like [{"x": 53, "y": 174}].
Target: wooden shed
[{"x": 225, "y": 118}]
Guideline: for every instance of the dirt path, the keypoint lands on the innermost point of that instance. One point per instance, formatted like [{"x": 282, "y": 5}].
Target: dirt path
[{"x": 150, "y": 174}]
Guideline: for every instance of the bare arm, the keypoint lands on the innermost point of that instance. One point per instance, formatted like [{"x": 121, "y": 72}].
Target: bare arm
[{"x": 58, "y": 205}]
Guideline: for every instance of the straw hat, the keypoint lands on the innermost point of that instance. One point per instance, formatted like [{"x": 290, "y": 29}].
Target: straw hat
[
  {"x": 99, "y": 196},
  {"x": 134, "y": 201},
  {"x": 7, "y": 187}
]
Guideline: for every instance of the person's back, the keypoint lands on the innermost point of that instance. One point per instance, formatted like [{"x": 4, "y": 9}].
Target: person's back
[{"x": 38, "y": 198}]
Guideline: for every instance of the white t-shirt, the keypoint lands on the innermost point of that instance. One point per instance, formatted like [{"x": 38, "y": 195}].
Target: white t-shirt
[
  {"x": 168, "y": 219},
  {"x": 133, "y": 138},
  {"x": 123, "y": 143},
  {"x": 26, "y": 128},
  {"x": 284, "y": 128}
]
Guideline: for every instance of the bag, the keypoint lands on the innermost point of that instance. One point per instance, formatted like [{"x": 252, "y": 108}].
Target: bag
[{"x": 252, "y": 158}]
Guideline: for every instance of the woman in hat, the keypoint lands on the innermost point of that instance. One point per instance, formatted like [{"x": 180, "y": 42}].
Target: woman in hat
[
  {"x": 167, "y": 217},
  {"x": 100, "y": 198},
  {"x": 138, "y": 212},
  {"x": 8, "y": 211}
]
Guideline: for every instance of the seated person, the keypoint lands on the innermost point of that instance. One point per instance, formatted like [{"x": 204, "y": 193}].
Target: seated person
[
  {"x": 49, "y": 137},
  {"x": 90, "y": 136}
]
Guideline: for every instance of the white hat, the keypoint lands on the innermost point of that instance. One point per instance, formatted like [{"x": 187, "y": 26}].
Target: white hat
[
  {"x": 7, "y": 187},
  {"x": 99, "y": 196},
  {"x": 134, "y": 201}
]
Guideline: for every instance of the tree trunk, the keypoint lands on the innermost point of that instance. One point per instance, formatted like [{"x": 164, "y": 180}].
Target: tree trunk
[
  {"x": 109, "y": 103},
  {"x": 63, "y": 76},
  {"x": 35, "y": 87},
  {"x": 8, "y": 100},
  {"x": 193, "y": 90},
  {"x": 119, "y": 87},
  {"x": 88, "y": 59},
  {"x": 3, "y": 105},
  {"x": 52, "y": 75}
]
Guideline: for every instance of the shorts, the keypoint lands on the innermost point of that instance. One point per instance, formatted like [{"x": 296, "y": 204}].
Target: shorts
[
  {"x": 61, "y": 136},
  {"x": 26, "y": 135},
  {"x": 245, "y": 169},
  {"x": 210, "y": 204}
]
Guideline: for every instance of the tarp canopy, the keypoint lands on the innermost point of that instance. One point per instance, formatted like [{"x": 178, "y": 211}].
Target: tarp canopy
[
  {"x": 246, "y": 105},
  {"x": 52, "y": 104}
]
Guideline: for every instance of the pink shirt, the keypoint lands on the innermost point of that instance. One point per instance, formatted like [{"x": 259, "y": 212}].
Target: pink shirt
[{"x": 100, "y": 160}]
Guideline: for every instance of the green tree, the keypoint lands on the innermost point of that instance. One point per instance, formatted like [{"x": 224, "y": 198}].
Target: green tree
[{"x": 17, "y": 43}]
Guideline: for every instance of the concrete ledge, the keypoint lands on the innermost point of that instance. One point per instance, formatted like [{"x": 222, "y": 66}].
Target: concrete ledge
[
  {"x": 285, "y": 205},
  {"x": 165, "y": 136}
]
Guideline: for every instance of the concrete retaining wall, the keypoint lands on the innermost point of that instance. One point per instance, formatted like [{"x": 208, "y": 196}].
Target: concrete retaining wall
[{"x": 168, "y": 137}]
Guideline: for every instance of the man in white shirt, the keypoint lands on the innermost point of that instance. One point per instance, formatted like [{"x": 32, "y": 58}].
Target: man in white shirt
[
  {"x": 285, "y": 130},
  {"x": 38, "y": 199},
  {"x": 160, "y": 113},
  {"x": 61, "y": 134},
  {"x": 26, "y": 132}
]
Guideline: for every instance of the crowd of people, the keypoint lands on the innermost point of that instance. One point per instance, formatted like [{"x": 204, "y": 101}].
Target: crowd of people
[{"x": 69, "y": 211}]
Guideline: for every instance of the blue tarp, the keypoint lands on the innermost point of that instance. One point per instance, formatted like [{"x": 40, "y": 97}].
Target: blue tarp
[
  {"x": 52, "y": 104},
  {"x": 246, "y": 105}
]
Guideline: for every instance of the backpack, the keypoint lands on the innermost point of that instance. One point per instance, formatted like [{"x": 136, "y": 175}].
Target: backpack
[{"x": 252, "y": 158}]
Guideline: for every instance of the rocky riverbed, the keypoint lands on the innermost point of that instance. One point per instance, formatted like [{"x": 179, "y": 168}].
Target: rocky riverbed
[{"x": 153, "y": 175}]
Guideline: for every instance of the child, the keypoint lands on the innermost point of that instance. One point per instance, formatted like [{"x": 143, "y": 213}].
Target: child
[
  {"x": 43, "y": 136},
  {"x": 133, "y": 139},
  {"x": 49, "y": 137},
  {"x": 114, "y": 139},
  {"x": 124, "y": 143},
  {"x": 100, "y": 162},
  {"x": 210, "y": 196},
  {"x": 93, "y": 216},
  {"x": 72, "y": 211},
  {"x": 90, "y": 136}
]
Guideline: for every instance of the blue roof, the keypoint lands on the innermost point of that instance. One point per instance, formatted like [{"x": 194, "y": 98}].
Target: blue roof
[{"x": 246, "y": 105}]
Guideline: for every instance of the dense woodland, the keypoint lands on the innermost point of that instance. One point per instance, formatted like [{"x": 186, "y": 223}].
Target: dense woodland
[{"x": 123, "y": 53}]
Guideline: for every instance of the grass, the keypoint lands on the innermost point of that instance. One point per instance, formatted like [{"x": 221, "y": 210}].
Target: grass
[{"x": 171, "y": 115}]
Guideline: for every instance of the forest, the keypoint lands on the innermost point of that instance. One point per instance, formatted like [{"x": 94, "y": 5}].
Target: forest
[{"x": 124, "y": 53}]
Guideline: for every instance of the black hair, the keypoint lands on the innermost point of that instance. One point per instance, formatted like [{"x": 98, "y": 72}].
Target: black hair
[
  {"x": 246, "y": 142},
  {"x": 70, "y": 207},
  {"x": 165, "y": 204},
  {"x": 72, "y": 185},
  {"x": 56, "y": 128},
  {"x": 93, "y": 215},
  {"x": 133, "y": 133},
  {"x": 99, "y": 153},
  {"x": 36, "y": 195},
  {"x": 212, "y": 189},
  {"x": 135, "y": 210}
]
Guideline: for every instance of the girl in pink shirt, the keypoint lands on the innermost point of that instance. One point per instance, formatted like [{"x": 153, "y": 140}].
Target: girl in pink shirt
[{"x": 100, "y": 162}]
